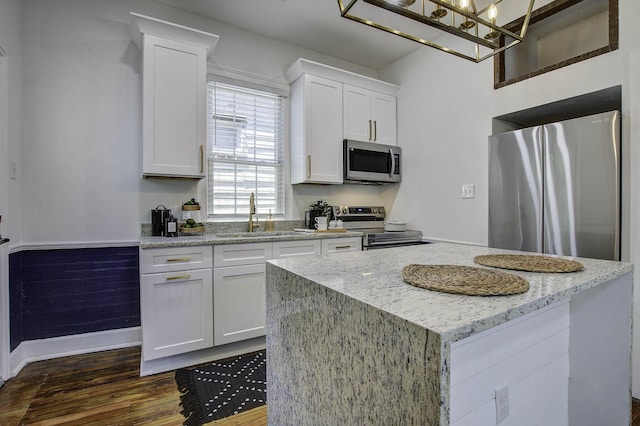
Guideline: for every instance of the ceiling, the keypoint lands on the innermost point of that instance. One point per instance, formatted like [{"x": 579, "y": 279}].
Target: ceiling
[{"x": 312, "y": 24}]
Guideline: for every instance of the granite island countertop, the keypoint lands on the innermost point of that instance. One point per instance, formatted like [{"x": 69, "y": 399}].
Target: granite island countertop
[
  {"x": 346, "y": 335},
  {"x": 377, "y": 280},
  {"x": 147, "y": 242}
]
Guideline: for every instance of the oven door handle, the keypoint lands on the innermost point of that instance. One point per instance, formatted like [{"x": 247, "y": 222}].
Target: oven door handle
[{"x": 394, "y": 242}]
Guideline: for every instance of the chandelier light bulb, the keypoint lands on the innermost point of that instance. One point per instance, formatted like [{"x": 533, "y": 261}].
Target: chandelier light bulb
[
  {"x": 492, "y": 13},
  {"x": 464, "y": 4}
]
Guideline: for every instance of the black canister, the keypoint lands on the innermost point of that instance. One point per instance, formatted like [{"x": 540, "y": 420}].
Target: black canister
[
  {"x": 158, "y": 217},
  {"x": 310, "y": 219}
]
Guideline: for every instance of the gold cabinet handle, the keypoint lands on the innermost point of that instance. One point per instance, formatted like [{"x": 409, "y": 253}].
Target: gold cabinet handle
[
  {"x": 179, "y": 277},
  {"x": 375, "y": 130},
  {"x": 308, "y": 167},
  {"x": 342, "y": 247},
  {"x": 179, "y": 259},
  {"x": 370, "y": 133},
  {"x": 201, "y": 158}
]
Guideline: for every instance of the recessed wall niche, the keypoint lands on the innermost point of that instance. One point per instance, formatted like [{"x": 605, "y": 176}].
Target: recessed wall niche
[{"x": 560, "y": 33}]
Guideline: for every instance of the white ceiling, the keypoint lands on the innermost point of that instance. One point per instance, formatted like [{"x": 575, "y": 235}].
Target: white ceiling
[{"x": 312, "y": 24}]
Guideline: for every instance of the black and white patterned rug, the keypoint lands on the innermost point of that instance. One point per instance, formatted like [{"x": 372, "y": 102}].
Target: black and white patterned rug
[{"x": 222, "y": 388}]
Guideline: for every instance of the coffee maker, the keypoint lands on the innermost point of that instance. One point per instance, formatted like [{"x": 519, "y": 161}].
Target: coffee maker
[{"x": 159, "y": 216}]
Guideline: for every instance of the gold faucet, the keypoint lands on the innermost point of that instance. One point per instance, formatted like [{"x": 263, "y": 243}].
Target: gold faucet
[{"x": 252, "y": 211}]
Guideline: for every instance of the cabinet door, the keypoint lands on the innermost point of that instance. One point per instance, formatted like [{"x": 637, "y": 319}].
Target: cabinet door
[
  {"x": 383, "y": 114},
  {"x": 239, "y": 303},
  {"x": 173, "y": 108},
  {"x": 316, "y": 131},
  {"x": 282, "y": 249},
  {"x": 176, "y": 313},
  {"x": 358, "y": 122},
  {"x": 335, "y": 245}
]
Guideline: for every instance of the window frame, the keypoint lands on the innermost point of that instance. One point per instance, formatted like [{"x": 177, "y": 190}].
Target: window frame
[{"x": 280, "y": 87}]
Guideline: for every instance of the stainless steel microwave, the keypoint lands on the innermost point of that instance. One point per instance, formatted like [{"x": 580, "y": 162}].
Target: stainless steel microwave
[{"x": 367, "y": 162}]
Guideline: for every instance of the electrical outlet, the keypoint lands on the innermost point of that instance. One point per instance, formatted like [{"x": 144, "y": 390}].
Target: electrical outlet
[
  {"x": 469, "y": 190},
  {"x": 502, "y": 403}
]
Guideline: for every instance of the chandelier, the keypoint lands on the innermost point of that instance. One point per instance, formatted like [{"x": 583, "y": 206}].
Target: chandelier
[{"x": 470, "y": 29}]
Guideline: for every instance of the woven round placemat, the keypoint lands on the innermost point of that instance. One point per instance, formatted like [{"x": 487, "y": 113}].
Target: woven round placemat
[
  {"x": 467, "y": 280},
  {"x": 529, "y": 263}
]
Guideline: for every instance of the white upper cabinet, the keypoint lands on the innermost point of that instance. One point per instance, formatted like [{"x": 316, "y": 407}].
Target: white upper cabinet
[
  {"x": 328, "y": 105},
  {"x": 316, "y": 130},
  {"x": 383, "y": 114},
  {"x": 174, "y": 88},
  {"x": 369, "y": 116}
]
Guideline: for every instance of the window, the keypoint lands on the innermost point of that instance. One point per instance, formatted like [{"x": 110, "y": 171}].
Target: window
[{"x": 245, "y": 136}]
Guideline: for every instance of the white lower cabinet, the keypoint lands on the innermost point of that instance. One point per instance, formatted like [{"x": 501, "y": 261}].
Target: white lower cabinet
[
  {"x": 239, "y": 303},
  {"x": 334, "y": 245},
  {"x": 239, "y": 282},
  {"x": 282, "y": 249},
  {"x": 175, "y": 306},
  {"x": 239, "y": 291},
  {"x": 198, "y": 297}
]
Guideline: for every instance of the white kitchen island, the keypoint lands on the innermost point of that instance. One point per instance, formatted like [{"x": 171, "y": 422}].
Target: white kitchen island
[{"x": 349, "y": 343}]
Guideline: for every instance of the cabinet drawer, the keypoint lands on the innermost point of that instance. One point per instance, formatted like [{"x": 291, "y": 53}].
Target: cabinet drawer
[
  {"x": 334, "y": 245},
  {"x": 282, "y": 249},
  {"x": 175, "y": 259},
  {"x": 241, "y": 254}
]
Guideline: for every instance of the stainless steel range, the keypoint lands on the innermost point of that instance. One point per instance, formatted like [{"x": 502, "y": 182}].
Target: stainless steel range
[{"x": 370, "y": 221}]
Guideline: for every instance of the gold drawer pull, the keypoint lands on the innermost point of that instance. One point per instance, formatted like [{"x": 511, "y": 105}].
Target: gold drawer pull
[
  {"x": 180, "y": 259},
  {"x": 342, "y": 247},
  {"x": 181, "y": 277}
]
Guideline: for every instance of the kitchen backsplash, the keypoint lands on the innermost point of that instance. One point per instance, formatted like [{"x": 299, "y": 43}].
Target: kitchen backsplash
[{"x": 241, "y": 226}]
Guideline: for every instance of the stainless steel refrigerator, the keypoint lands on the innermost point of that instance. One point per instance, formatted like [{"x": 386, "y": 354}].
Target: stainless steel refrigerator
[{"x": 555, "y": 188}]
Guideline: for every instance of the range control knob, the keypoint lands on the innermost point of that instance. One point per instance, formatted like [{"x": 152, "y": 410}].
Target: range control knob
[
  {"x": 375, "y": 211},
  {"x": 345, "y": 211}
]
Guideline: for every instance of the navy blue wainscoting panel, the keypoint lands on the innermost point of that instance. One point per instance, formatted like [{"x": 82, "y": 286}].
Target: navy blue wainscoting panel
[{"x": 72, "y": 291}]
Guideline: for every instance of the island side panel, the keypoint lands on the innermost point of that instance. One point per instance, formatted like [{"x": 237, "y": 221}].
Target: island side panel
[
  {"x": 600, "y": 354},
  {"x": 333, "y": 360}
]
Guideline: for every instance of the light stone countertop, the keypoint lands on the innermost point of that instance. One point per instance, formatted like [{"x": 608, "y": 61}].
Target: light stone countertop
[
  {"x": 375, "y": 278},
  {"x": 147, "y": 242},
  {"x": 346, "y": 334}
]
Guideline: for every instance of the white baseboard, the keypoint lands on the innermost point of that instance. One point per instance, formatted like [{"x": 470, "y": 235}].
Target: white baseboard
[
  {"x": 188, "y": 359},
  {"x": 56, "y": 347}
]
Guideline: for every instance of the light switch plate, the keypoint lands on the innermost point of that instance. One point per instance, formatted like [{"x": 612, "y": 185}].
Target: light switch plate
[{"x": 468, "y": 190}]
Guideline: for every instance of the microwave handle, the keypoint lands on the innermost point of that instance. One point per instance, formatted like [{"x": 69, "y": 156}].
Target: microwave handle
[{"x": 393, "y": 162}]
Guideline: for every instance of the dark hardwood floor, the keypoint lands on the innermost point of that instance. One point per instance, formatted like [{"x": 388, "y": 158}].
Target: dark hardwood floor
[{"x": 102, "y": 388}]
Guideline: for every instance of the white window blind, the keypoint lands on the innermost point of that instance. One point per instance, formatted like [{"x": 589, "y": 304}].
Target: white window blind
[{"x": 245, "y": 133}]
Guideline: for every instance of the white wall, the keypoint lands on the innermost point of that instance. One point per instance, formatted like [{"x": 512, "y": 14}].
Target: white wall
[
  {"x": 445, "y": 107},
  {"x": 443, "y": 123},
  {"x": 79, "y": 173},
  {"x": 10, "y": 40}
]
